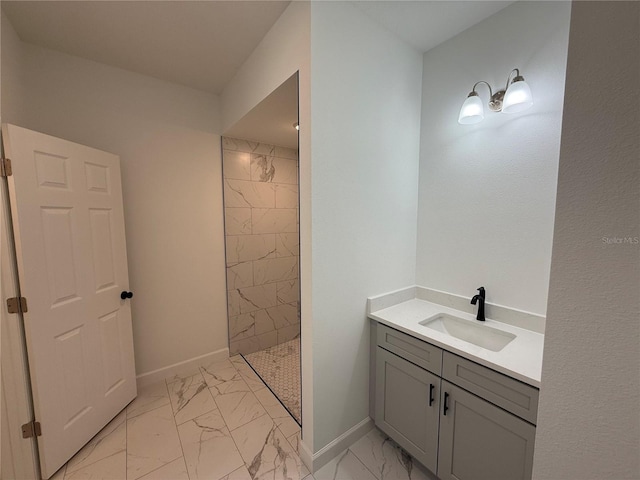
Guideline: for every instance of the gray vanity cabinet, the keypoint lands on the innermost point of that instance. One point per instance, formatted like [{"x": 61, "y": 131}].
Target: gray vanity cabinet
[
  {"x": 479, "y": 441},
  {"x": 461, "y": 420},
  {"x": 407, "y": 406}
]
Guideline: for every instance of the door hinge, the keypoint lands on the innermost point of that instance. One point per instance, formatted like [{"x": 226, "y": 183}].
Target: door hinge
[
  {"x": 5, "y": 167},
  {"x": 31, "y": 429},
  {"x": 17, "y": 305}
]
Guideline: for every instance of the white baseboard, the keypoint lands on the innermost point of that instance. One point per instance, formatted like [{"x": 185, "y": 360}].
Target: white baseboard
[
  {"x": 183, "y": 367},
  {"x": 340, "y": 444}
]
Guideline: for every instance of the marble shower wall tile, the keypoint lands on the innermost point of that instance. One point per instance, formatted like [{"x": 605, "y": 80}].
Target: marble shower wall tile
[
  {"x": 253, "y": 344},
  {"x": 274, "y": 220},
  {"x": 262, "y": 242},
  {"x": 240, "y": 275},
  {"x": 242, "y": 193},
  {"x": 236, "y": 165},
  {"x": 262, "y": 168},
  {"x": 286, "y": 171},
  {"x": 288, "y": 292},
  {"x": 237, "y": 221},
  {"x": 285, "y": 152},
  {"x": 242, "y": 326},
  {"x": 248, "y": 146},
  {"x": 264, "y": 323},
  {"x": 286, "y": 196},
  {"x": 233, "y": 303},
  {"x": 287, "y": 244},
  {"x": 288, "y": 333},
  {"x": 256, "y": 298},
  {"x": 275, "y": 270},
  {"x": 284, "y": 315},
  {"x": 246, "y": 248}
]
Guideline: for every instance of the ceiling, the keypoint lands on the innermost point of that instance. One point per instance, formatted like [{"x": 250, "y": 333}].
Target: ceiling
[
  {"x": 425, "y": 24},
  {"x": 271, "y": 121},
  {"x": 199, "y": 44},
  {"x": 202, "y": 44}
]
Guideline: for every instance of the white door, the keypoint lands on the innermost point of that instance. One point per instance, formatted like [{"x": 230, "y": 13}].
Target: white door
[{"x": 66, "y": 203}]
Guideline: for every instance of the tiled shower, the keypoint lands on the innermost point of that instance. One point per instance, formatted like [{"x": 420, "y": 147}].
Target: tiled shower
[{"x": 262, "y": 260}]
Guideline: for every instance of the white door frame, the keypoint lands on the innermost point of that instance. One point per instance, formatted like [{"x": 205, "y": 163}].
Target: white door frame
[{"x": 20, "y": 456}]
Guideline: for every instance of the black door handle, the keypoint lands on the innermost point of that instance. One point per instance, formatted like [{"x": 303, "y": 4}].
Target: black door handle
[
  {"x": 431, "y": 387},
  {"x": 124, "y": 295},
  {"x": 446, "y": 401}
]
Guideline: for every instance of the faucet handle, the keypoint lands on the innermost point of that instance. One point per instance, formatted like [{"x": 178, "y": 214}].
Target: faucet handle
[{"x": 482, "y": 291}]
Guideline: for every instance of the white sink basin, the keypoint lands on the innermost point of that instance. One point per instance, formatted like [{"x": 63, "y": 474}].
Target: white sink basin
[{"x": 476, "y": 333}]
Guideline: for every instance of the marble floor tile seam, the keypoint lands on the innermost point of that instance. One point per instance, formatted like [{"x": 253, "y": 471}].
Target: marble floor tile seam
[
  {"x": 280, "y": 402},
  {"x": 177, "y": 435},
  {"x": 176, "y": 427},
  {"x": 154, "y": 470},
  {"x": 270, "y": 389},
  {"x": 82, "y": 466},
  {"x": 295, "y": 449},
  {"x": 150, "y": 410},
  {"x": 364, "y": 464}
]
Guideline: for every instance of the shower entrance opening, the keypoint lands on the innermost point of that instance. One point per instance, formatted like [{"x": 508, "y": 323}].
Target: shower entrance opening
[{"x": 261, "y": 200}]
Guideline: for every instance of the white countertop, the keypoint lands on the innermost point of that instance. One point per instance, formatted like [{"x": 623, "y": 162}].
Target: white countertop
[{"x": 520, "y": 359}]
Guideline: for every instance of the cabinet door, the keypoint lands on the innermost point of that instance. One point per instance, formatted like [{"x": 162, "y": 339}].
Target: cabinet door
[
  {"x": 407, "y": 400},
  {"x": 479, "y": 441}
]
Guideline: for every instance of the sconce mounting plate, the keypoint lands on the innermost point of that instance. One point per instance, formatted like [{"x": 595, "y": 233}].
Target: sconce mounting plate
[{"x": 495, "y": 103}]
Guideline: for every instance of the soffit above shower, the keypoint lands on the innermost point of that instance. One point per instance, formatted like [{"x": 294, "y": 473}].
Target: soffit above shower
[
  {"x": 198, "y": 44},
  {"x": 425, "y": 24},
  {"x": 271, "y": 121}
]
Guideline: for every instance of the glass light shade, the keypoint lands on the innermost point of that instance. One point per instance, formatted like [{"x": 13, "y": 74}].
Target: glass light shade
[
  {"x": 472, "y": 110},
  {"x": 517, "y": 98}
]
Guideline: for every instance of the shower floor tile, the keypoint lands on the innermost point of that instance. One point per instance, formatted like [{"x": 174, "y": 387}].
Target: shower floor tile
[{"x": 279, "y": 368}]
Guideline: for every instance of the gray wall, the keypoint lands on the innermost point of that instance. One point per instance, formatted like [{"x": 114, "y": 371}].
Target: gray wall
[{"x": 589, "y": 413}]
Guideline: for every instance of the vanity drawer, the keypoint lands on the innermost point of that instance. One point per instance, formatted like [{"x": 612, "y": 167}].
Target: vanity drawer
[
  {"x": 416, "y": 351},
  {"x": 512, "y": 395}
]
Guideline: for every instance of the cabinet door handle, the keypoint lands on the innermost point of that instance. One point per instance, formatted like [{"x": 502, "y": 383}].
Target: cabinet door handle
[
  {"x": 446, "y": 401},
  {"x": 431, "y": 387}
]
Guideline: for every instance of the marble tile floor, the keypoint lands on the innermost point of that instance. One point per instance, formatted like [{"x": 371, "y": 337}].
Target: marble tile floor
[
  {"x": 221, "y": 423},
  {"x": 279, "y": 367}
]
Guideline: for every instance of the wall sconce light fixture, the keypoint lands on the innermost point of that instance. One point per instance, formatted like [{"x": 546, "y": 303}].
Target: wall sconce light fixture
[{"x": 515, "y": 97}]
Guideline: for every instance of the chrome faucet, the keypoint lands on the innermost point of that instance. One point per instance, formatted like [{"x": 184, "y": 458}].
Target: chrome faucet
[{"x": 480, "y": 296}]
